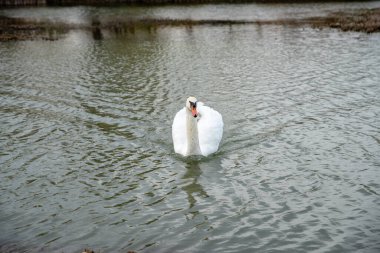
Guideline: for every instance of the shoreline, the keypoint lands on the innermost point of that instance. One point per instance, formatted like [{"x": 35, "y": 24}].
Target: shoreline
[
  {"x": 22, "y": 3},
  {"x": 19, "y": 29}
]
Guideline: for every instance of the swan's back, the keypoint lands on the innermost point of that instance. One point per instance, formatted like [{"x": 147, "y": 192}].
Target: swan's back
[{"x": 210, "y": 129}]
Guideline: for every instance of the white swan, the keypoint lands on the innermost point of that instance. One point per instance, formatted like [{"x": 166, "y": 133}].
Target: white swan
[{"x": 197, "y": 129}]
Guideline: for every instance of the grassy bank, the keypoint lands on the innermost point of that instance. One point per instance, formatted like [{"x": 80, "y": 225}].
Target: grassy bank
[{"x": 367, "y": 21}]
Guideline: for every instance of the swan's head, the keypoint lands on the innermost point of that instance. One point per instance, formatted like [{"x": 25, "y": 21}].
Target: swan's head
[{"x": 191, "y": 104}]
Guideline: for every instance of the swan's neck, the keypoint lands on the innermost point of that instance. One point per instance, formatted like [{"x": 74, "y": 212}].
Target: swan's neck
[{"x": 192, "y": 135}]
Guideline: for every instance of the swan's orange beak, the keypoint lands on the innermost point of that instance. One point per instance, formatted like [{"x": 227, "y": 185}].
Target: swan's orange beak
[{"x": 194, "y": 111}]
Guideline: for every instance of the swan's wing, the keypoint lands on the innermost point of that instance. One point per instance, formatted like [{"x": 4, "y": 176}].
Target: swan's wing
[
  {"x": 210, "y": 129},
  {"x": 179, "y": 132}
]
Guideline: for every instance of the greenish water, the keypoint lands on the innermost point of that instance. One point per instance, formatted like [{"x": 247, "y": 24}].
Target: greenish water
[{"x": 85, "y": 136}]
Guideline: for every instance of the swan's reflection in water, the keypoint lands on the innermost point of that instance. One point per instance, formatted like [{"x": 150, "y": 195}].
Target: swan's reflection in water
[{"x": 193, "y": 189}]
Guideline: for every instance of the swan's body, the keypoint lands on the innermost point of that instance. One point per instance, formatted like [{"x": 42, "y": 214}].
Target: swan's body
[{"x": 197, "y": 129}]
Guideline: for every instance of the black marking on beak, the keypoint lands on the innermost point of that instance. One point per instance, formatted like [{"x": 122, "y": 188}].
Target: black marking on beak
[
  {"x": 193, "y": 104},
  {"x": 193, "y": 107}
]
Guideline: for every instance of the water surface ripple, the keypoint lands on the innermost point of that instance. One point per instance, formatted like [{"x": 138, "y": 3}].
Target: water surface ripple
[{"x": 87, "y": 159}]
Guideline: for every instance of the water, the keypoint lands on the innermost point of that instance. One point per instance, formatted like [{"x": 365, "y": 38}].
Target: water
[{"x": 86, "y": 152}]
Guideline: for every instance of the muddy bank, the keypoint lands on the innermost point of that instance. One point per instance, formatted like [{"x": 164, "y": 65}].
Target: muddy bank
[
  {"x": 365, "y": 20},
  {"x": 145, "y": 2},
  {"x": 362, "y": 21},
  {"x": 24, "y": 29}
]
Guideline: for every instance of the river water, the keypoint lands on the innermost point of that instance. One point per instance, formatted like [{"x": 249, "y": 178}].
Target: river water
[{"x": 85, "y": 136}]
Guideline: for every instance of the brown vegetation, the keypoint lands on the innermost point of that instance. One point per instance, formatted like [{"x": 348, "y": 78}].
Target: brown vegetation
[
  {"x": 145, "y": 2},
  {"x": 356, "y": 20},
  {"x": 22, "y": 29}
]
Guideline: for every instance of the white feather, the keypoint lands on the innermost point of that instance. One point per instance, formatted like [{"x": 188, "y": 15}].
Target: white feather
[
  {"x": 210, "y": 130},
  {"x": 179, "y": 132}
]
